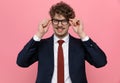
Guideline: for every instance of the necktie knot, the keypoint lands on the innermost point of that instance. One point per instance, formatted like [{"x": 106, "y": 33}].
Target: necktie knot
[{"x": 60, "y": 42}]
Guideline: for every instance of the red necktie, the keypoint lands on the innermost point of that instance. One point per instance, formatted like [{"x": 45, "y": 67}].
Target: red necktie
[{"x": 60, "y": 72}]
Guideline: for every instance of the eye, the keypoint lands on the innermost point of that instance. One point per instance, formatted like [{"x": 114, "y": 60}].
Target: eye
[
  {"x": 55, "y": 21},
  {"x": 64, "y": 22}
]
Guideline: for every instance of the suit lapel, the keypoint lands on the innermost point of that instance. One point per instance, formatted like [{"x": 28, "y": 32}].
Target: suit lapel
[
  {"x": 51, "y": 54},
  {"x": 71, "y": 51}
]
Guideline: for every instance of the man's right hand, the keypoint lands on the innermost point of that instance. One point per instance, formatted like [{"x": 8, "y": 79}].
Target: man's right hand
[{"x": 43, "y": 28}]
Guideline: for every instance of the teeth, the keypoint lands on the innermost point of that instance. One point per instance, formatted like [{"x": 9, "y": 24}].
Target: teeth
[{"x": 60, "y": 29}]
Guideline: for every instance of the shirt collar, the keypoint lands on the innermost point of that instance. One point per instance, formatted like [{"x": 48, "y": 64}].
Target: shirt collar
[{"x": 66, "y": 38}]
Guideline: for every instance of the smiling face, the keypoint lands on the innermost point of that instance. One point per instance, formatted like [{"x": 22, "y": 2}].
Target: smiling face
[
  {"x": 60, "y": 25},
  {"x": 60, "y": 14}
]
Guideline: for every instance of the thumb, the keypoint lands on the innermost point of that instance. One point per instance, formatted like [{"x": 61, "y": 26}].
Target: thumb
[
  {"x": 49, "y": 22},
  {"x": 71, "y": 24},
  {"x": 47, "y": 26}
]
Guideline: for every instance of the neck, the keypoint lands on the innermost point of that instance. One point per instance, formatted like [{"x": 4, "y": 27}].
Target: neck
[{"x": 62, "y": 36}]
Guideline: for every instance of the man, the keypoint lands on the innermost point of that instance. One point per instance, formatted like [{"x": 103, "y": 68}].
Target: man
[{"x": 65, "y": 62}]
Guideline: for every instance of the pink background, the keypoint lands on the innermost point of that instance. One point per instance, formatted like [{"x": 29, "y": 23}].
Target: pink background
[{"x": 18, "y": 23}]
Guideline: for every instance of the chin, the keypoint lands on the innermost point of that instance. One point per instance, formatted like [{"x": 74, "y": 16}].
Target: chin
[{"x": 61, "y": 35}]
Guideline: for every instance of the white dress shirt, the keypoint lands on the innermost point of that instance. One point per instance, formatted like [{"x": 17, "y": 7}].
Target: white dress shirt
[
  {"x": 65, "y": 46},
  {"x": 65, "y": 53}
]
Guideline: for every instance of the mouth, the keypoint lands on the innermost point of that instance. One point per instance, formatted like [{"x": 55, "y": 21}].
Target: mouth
[{"x": 60, "y": 29}]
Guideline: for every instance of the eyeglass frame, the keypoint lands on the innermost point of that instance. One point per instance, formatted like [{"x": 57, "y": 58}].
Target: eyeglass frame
[{"x": 67, "y": 21}]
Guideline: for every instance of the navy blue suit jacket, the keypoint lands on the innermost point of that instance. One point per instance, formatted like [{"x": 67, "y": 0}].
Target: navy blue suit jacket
[{"x": 79, "y": 51}]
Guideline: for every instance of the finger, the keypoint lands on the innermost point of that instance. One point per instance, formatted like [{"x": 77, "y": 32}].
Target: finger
[
  {"x": 45, "y": 23},
  {"x": 49, "y": 22},
  {"x": 70, "y": 22},
  {"x": 78, "y": 22},
  {"x": 75, "y": 21}
]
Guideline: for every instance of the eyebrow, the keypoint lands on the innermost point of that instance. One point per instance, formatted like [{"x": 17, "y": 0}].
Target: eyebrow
[{"x": 60, "y": 20}]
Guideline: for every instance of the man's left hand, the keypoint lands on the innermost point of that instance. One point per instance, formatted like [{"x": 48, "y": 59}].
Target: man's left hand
[{"x": 77, "y": 26}]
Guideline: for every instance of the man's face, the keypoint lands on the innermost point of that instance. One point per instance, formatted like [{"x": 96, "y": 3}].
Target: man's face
[{"x": 60, "y": 25}]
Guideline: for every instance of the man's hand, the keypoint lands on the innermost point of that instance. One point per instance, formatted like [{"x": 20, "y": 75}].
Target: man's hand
[
  {"x": 78, "y": 27},
  {"x": 43, "y": 28}
]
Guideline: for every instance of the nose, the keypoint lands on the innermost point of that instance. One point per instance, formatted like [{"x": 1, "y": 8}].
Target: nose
[{"x": 59, "y": 24}]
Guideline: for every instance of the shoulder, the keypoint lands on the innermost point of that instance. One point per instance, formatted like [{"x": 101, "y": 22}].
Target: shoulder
[
  {"x": 47, "y": 40},
  {"x": 75, "y": 41},
  {"x": 72, "y": 38}
]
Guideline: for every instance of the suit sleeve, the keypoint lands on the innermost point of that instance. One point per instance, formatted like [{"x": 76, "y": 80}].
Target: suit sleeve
[
  {"x": 29, "y": 54},
  {"x": 94, "y": 55}
]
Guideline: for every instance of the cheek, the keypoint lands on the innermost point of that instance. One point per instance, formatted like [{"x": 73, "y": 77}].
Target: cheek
[
  {"x": 53, "y": 27},
  {"x": 67, "y": 27}
]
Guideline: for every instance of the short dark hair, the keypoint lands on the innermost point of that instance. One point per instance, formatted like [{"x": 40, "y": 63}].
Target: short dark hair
[{"x": 62, "y": 9}]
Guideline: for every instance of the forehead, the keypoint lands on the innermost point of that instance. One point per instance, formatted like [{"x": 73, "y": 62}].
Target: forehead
[{"x": 58, "y": 16}]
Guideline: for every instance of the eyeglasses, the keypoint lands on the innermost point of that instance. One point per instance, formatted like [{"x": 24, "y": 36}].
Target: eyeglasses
[{"x": 63, "y": 22}]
